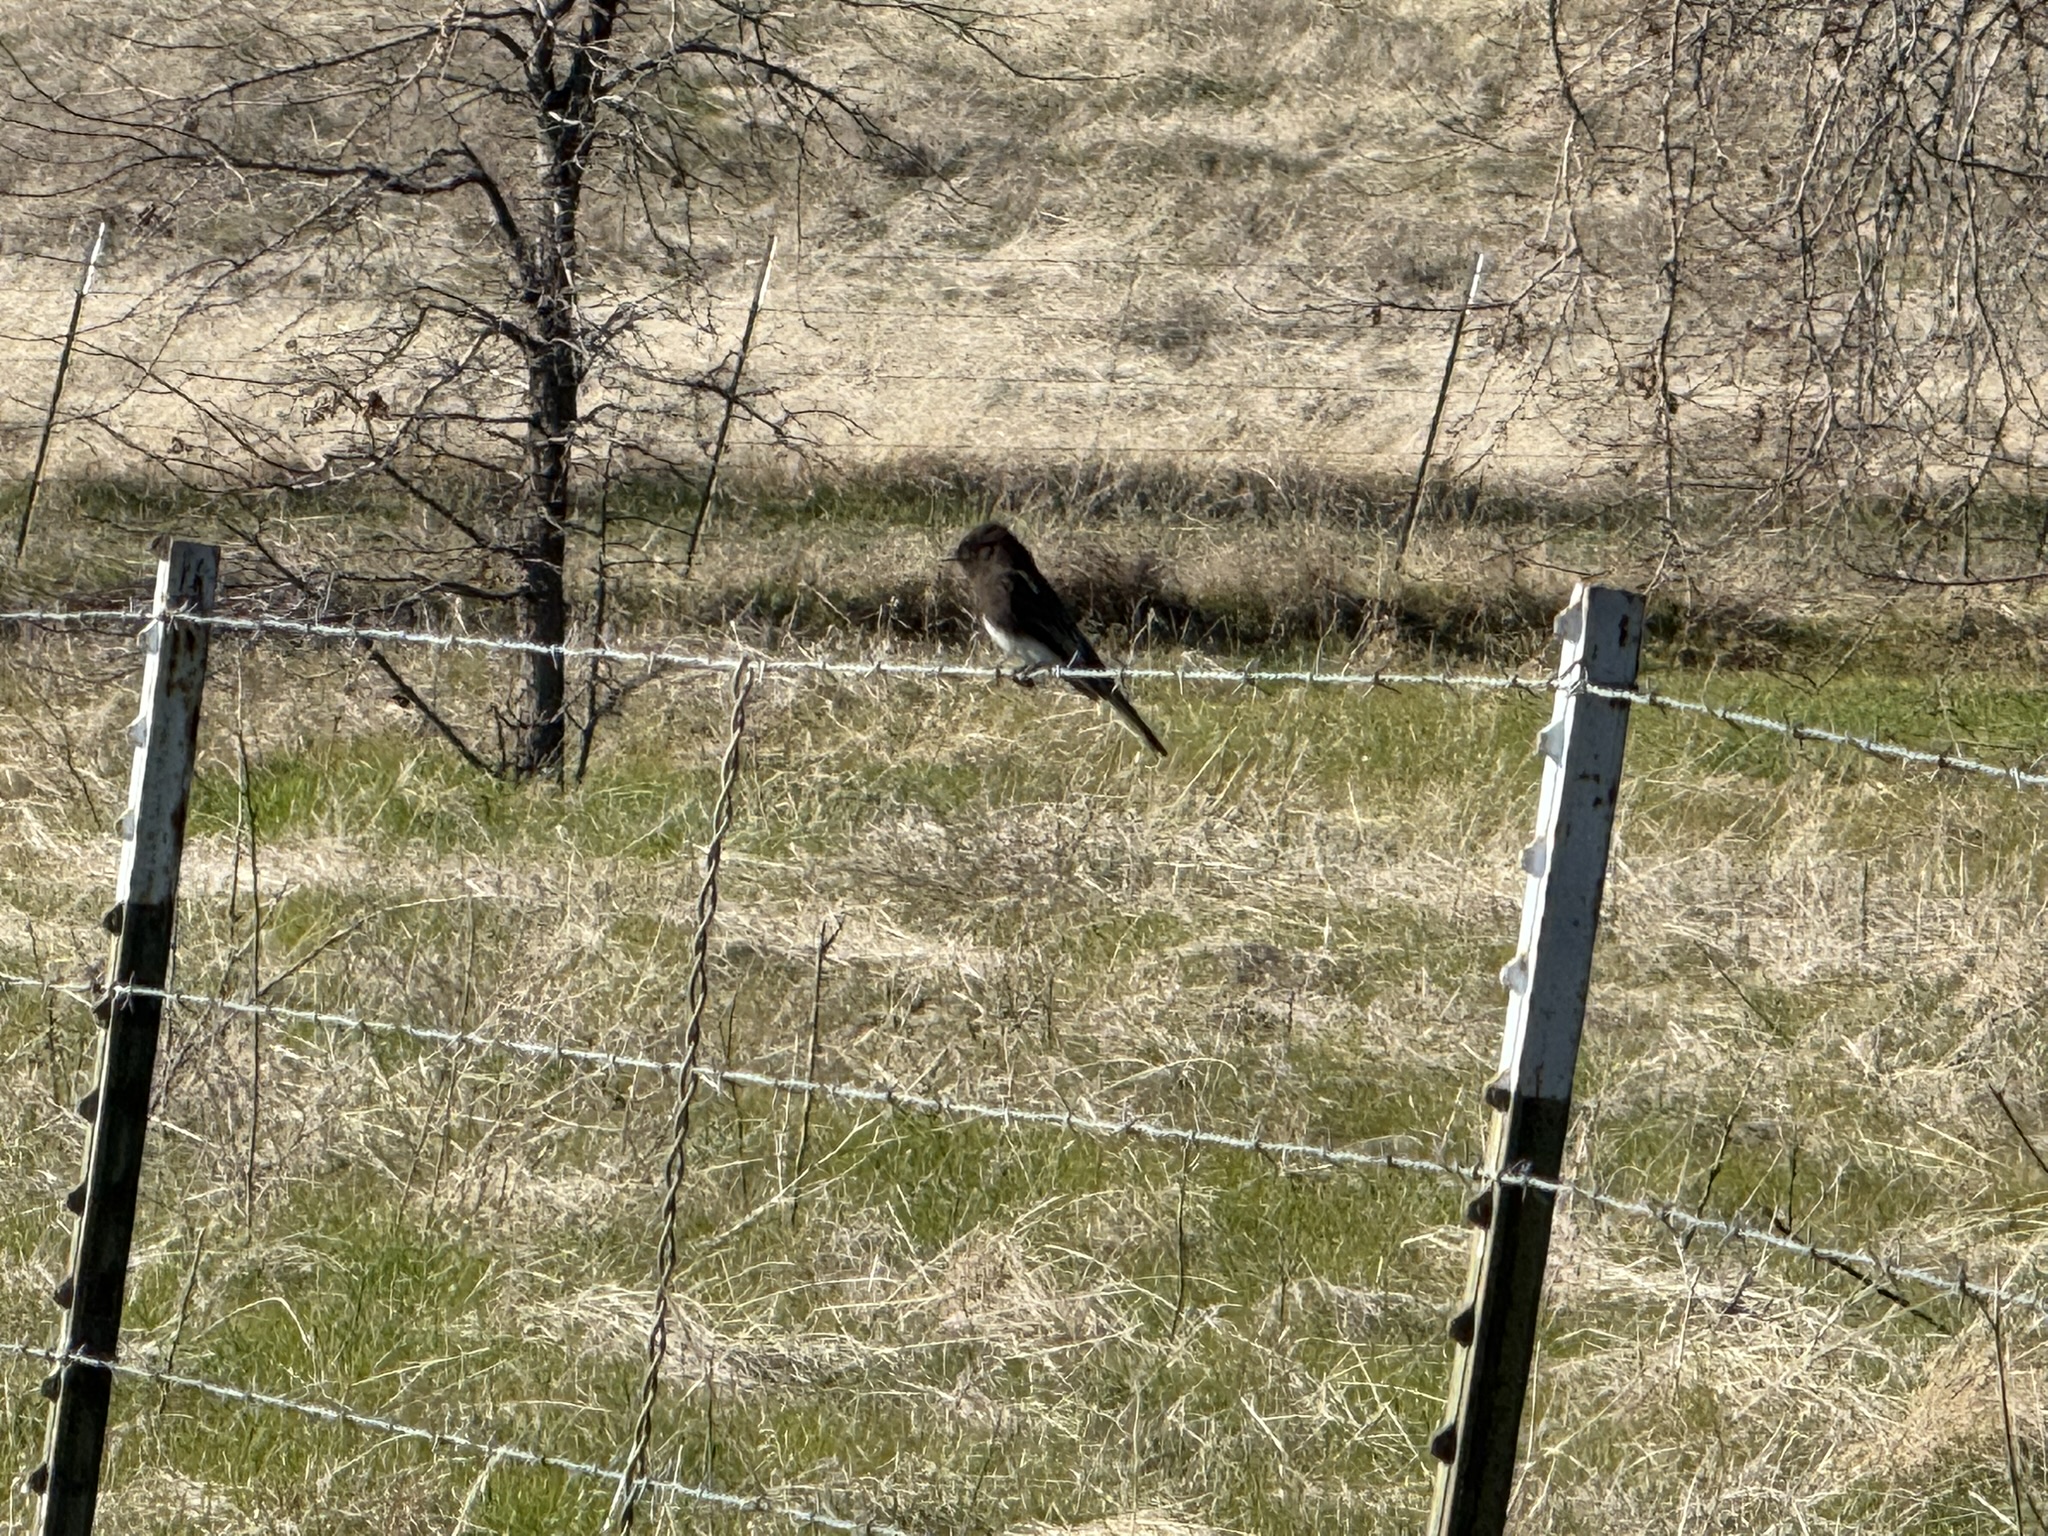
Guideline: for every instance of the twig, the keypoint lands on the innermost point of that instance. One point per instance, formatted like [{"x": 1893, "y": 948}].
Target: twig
[
  {"x": 376, "y": 654},
  {"x": 1869, "y": 1282},
  {"x": 476, "y": 1492},
  {"x": 1994, "y": 1318},
  {"x": 184, "y": 1310},
  {"x": 1720, "y": 1162},
  {"x": 739, "y": 1111},
  {"x": 428, "y": 713},
  {"x": 2020, "y": 1130},
  {"x": 1944, "y": 583},
  {"x": 248, "y": 817},
  {"x": 1564, "y": 78},
  {"x": 708, "y": 1472},
  {"x": 828, "y": 931},
  {"x": 1180, "y": 1244}
]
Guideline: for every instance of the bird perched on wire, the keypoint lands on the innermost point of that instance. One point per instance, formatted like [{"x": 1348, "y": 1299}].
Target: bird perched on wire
[{"x": 1031, "y": 623}]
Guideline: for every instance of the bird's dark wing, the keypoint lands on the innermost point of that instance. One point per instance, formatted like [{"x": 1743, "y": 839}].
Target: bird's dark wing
[
  {"x": 1038, "y": 611},
  {"x": 1041, "y": 613}
]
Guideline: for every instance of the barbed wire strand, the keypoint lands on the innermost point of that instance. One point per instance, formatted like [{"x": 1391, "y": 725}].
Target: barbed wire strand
[
  {"x": 895, "y": 1100},
  {"x": 687, "y": 1075},
  {"x": 757, "y": 1504},
  {"x": 828, "y": 666},
  {"x": 1793, "y": 730},
  {"x": 825, "y": 666}
]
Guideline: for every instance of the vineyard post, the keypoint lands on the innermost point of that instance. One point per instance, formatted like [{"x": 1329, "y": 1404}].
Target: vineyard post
[
  {"x": 1495, "y": 1332},
  {"x": 165, "y": 734}
]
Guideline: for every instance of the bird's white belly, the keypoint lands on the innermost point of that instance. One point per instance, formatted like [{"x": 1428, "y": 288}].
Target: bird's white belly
[{"x": 1023, "y": 648}]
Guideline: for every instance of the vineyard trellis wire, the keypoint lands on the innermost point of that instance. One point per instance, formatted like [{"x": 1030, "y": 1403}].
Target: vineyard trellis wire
[{"x": 890, "y": 1098}]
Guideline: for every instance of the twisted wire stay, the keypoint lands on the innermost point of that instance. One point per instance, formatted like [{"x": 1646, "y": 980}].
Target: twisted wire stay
[{"x": 687, "y": 1075}]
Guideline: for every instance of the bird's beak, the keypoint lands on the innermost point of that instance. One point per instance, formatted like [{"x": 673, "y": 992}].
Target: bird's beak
[{"x": 951, "y": 560}]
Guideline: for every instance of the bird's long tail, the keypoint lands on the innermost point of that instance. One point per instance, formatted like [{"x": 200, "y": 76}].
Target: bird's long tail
[
  {"x": 1133, "y": 721},
  {"x": 1110, "y": 692}
]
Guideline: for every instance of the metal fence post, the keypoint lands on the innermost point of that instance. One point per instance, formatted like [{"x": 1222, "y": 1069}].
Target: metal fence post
[
  {"x": 1531, "y": 1099},
  {"x": 165, "y": 734},
  {"x": 1436, "y": 417}
]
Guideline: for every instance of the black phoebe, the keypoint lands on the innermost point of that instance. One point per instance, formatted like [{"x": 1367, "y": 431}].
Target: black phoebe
[{"x": 1026, "y": 617}]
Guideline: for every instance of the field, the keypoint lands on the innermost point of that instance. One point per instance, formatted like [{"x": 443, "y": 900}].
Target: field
[
  {"x": 1222, "y": 236},
  {"x": 1815, "y": 970},
  {"x": 1168, "y": 286}
]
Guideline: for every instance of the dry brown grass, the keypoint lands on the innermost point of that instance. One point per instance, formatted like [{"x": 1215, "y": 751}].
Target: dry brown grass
[
  {"x": 1815, "y": 968},
  {"x": 1169, "y": 255}
]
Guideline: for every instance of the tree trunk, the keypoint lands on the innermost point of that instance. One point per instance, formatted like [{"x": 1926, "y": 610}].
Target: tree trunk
[
  {"x": 543, "y": 547},
  {"x": 567, "y": 106}
]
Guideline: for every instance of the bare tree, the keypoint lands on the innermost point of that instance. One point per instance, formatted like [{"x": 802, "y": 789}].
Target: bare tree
[
  {"x": 379, "y": 223},
  {"x": 1777, "y": 259},
  {"x": 1842, "y": 200}
]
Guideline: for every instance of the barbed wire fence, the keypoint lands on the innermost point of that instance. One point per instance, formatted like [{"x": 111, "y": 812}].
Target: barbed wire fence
[
  {"x": 898, "y": 1100},
  {"x": 1789, "y": 353},
  {"x": 685, "y": 659},
  {"x": 1892, "y": 1275}
]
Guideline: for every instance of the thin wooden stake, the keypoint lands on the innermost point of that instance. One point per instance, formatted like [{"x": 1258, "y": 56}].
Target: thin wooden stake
[
  {"x": 828, "y": 932},
  {"x": 1495, "y": 1333},
  {"x": 255, "y": 962},
  {"x": 165, "y": 734},
  {"x": 732, "y": 398},
  {"x": 1436, "y": 417},
  {"x": 35, "y": 476}
]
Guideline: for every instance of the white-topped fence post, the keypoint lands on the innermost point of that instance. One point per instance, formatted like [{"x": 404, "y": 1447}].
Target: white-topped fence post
[
  {"x": 165, "y": 734},
  {"x": 1495, "y": 1331}
]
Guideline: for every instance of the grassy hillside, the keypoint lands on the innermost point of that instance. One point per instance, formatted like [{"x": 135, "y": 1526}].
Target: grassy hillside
[{"x": 1218, "y": 239}]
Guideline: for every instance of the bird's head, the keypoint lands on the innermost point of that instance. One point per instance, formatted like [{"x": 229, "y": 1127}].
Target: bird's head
[{"x": 986, "y": 543}]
